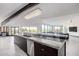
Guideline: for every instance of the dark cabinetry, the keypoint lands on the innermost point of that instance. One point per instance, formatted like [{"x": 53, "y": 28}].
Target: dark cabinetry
[
  {"x": 34, "y": 48},
  {"x": 21, "y": 42},
  {"x": 42, "y": 50}
]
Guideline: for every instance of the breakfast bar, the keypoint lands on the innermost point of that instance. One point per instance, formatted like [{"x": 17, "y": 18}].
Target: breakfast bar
[{"x": 36, "y": 46}]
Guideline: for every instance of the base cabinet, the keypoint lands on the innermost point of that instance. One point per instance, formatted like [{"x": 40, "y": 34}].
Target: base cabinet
[
  {"x": 33, "y": 48},
  {"x": 42, "y": 50},
  {"x": 21, "y": 42}
]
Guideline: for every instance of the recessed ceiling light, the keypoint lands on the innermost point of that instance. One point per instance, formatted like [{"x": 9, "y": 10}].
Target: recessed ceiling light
[{"x": 33, "y": 14}]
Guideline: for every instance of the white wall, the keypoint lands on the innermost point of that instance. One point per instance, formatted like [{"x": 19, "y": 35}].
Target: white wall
[{"x": 67, "y": 20}]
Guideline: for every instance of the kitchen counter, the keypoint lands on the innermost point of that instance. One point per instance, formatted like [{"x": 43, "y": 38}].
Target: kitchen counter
[
  {"x": 41, "y": 46},
  {"x": 50, "y": 43}
]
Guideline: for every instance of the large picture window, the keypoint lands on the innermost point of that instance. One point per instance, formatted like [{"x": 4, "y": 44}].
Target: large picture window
[{"x": 28, "y": 29}]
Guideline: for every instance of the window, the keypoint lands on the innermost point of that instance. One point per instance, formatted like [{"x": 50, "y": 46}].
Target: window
[
  {"x": 12, "y": 31},
  {"x": 16, "y": 30},
  {"x": 28, "y": 29},
  {"x": 33, "y": 29},
  {"x": 58, "y": 29},
  {"x": 50, "y": 28},
  {"x": 46, "y": 28}
]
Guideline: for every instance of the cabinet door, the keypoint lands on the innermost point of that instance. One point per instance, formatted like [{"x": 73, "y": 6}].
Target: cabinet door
[
  {"x": 23, "y": 45},
  {"x": 21, "y": 42},
  {"x": 42, "y": 50}
]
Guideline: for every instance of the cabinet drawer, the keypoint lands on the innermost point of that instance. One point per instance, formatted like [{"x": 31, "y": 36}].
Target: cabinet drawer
[{"x": 42, "y": 50}]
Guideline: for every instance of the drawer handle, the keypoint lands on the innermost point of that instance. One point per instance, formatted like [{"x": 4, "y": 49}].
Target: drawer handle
[{"x": 42, "y": 49}]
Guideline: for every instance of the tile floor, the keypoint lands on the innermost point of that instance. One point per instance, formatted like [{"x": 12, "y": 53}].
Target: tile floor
[
  {"x": 8, "y": 48},
  {"x": 72, "y": 46}
]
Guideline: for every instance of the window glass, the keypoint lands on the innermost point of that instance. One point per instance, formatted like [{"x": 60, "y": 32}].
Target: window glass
[
  {"x": 58, "y": 29},
  {"x": 33, "y": 29},
  {"x": 43, "y": 28},
  {"x": 28, "y": 29},
  {"x": 46, "y": 28},
  {"x": 12, "y": 31},
  {"x": 16, "y": 30},
  {"x": 50, "y": 28}
]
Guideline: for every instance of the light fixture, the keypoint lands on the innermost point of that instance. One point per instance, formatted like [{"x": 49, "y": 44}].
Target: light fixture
[{"x": 33, "y": 14}]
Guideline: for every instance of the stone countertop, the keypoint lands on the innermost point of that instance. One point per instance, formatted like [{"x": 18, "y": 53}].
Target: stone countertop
[{"x": 50, "y": 43}]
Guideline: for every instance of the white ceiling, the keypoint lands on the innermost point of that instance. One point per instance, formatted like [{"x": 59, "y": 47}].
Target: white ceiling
[
  {"x": 57, "y": 9},
  {"x": 7, "y": 8},
  {"x": 49, "y": 10}
]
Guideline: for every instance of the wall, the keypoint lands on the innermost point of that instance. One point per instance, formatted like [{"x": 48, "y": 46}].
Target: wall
[{"x": 67, "y": 20}]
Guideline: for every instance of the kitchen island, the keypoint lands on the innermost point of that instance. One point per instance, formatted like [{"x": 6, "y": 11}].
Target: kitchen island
[{"x": 36, "y": 46}]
